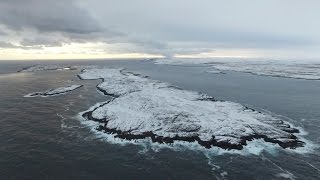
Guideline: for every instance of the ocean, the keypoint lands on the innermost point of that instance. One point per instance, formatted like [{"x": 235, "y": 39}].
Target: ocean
[{"x": 43, "y": 138}]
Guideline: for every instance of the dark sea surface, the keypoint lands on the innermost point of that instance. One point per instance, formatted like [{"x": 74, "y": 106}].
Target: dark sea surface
[{"x": 41, "y": 138}]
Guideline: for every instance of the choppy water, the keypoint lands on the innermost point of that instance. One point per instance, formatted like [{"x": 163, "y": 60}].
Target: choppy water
[{"x": 41, "y": 138}]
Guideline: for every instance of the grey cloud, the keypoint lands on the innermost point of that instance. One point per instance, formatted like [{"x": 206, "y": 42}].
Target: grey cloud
[
  {"x": 226, "y": 38},
  {"x": 56, "y": 22},
  {"x": 64, "y": 17},
  {"x": 41, "y": 42},
  {"x": 150, "y": 43},
  {"x": 47, "y": 16},
  {"x": 6, "y": 45},
  {"x": 213, "y": 23},
  {"x": 2, "y": 33}
]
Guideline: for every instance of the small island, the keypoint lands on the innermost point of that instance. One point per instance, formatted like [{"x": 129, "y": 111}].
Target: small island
[{"x": 54, "y": 92}]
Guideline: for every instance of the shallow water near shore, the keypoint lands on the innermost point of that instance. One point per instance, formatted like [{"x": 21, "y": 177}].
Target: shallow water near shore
[{"x": 42, "y": 138}]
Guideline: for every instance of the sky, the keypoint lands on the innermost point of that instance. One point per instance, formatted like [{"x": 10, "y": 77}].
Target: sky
[{"x": 83, "y": 29}]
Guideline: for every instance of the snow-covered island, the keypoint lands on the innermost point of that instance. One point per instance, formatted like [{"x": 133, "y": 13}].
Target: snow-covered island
[
  {"x": 143, "y": 108},
  {"x": 36, "y": 68},
  {"x": 54, "y": 92}
]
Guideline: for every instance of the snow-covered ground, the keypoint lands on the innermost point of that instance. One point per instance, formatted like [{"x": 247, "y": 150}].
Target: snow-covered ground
[
  {"x": 142, "y": 108},
  {"x": 54, "y": 92},
  {"x": 290, "y": 69}
]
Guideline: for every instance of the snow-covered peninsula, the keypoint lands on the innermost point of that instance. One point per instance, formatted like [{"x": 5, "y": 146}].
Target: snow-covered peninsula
[{"x": 144, "y": 108}]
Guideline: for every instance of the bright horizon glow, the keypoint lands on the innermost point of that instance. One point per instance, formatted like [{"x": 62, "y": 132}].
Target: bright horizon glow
[
  {"x": 105, "y": 51},
  {"x": 77, "y": 56},
  {"x": 13, "y": 54},
  {"x": 70, "y": 51}
]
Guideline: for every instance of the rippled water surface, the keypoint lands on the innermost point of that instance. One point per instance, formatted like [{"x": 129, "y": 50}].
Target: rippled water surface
[{"x": 42, "y": 138}]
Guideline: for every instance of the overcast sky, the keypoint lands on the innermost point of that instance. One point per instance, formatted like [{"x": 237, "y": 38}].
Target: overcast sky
[{"x": 50, "y": 29}]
